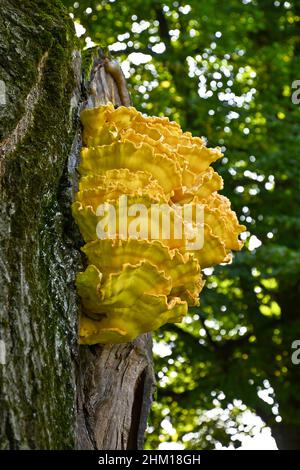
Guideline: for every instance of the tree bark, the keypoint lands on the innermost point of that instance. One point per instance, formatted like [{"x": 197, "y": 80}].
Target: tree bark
[
  {"x": 53, "y": 394},
  {"x": 115, "y": 389},
  {"x": 286, "y": 436}
]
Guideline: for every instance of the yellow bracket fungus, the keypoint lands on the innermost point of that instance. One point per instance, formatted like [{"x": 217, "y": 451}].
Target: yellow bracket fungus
[{"x": 133, "y": 285}]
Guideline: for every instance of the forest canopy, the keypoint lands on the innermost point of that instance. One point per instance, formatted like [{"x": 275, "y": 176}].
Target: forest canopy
[{"x": 226, "y": 71}]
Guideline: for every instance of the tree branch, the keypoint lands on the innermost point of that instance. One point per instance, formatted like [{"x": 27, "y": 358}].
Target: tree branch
[{"x": 163, "y": 26}]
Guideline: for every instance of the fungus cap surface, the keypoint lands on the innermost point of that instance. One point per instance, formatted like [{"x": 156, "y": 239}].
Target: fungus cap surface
[{"x": 133, "y": 285}]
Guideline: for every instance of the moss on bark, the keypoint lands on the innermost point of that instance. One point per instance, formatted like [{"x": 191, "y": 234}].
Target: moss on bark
[{"x": 38, "y": 314}]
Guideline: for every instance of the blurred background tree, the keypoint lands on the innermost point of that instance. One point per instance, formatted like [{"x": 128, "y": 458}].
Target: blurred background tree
[{"x": 224, "y": 70}]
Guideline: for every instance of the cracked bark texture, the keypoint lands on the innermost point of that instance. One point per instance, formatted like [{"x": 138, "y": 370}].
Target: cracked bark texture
[
  {"x": 53, "y": 394},
  {"x": 115, "y": 385}
]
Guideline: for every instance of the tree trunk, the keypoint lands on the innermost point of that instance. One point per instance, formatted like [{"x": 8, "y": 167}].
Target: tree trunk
[
  {"x": 115, "y": 390},
  {"x": 53, "y": 394},
  {"x": 286, "y": 436}
]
